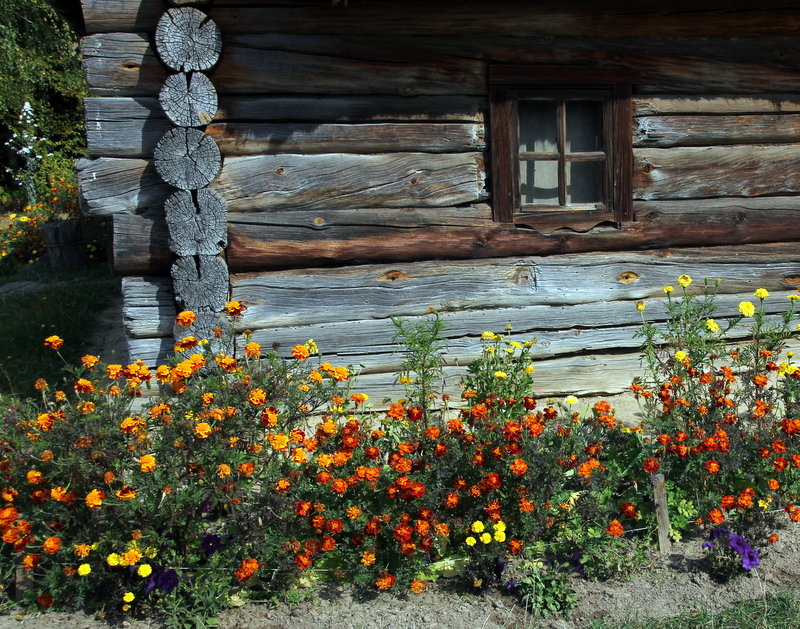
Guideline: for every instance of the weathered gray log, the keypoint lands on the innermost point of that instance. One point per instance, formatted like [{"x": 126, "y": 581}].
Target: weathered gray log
[
  {"x": 211, "y": 327},
  {"x": 121, "y": 64},
  {"x": 201, "y": 283},
  {"x": 181, "y": 3},
  {"x": 197, "y": 222},
  {"x": 378, "y": 291},
  {"x": 153, "y": 352},
  {"x": 109, "y": 185},
  {"x": 734, "y": 171},
  {"x": 661, "y": 104},
  {"x": 341, "y": 180},
  {"x": 187, "y": 158},
  {"x": 662, "y": 512},
  {"x": 124, "y": 127},
  {"x": 693, "y": 130},
  {"x": 148, "y": 306},
  {"x": 189, "y": 99},
  {"x": 568, "y": 18},
  {"x": 139, "y": 244},
  {"x": 186, "y": 40}
]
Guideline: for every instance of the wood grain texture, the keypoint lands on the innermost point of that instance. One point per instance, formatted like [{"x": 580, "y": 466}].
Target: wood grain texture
[
  {"x": 342, "y": 180},
  {"x": 711, "y": 130},
  {"x": 659, "y": 224},
  {"x": 661, "y": 104},
  {"x": 719, "y": 171},
  {"x": 148, "y": 306},
  {"x": 188, "y": 40},
  {"x": 197, "y": 222},
  {"x": 273, "y": 182},
  {"x": 189, "y": 99},
  {"x": 139, "y": 244},
  {"x": 569, "y": 18},
  {"x": 187, "y": 158},
  {"x": 200, "y": 283},
  {"x": 280, "y": 65}
]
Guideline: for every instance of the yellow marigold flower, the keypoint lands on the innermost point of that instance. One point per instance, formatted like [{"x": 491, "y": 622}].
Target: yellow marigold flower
[
  {"x": 128, "y": 597},
  {"x": 530, "y": 369},
  {"x": 147, "y": 463},
  {"x": 83, "y": 386},
  {"x": 486, "y": 538},
  {"x": 571, "y": 399},
  {"x": 680, "y": 355},
  {"x": 53, "y": 342},
  {"x": 747, "y": 309},
  {"x": 202, "y": 430},
  {"x": 792, "y": 297},
  {"x": 405, "y": 380},
  {"x": 94, "y": 499},
  {"x": 640, "y": 305},
  {"x": 761, "y": 293},
  {"x": 113, "y": 371},
  {"x": 234, "y": 308},
  {"x": 499, "y": 526},
  {"x": 669, "y": 289},
  {"x": 477, "y": 526},
  {"x": 144, "y": 570},
  {"x": 712, "y": 326},
  {"x": 684, "y": 280},
  {"x": 311, "y": 344},
  {"x": 252, "y": 350},
  {"x": 500, "y": 536},
  {"x": 470, "y": 541},
  {"x": 500, "y": 375},
  {"x": 113, "y": 560},
  {"x": 84, "y": 569},
  {"x": 489, "y": 336},
  {"x": 278, "y": 441},
  {"x": 223, "y": 470}
]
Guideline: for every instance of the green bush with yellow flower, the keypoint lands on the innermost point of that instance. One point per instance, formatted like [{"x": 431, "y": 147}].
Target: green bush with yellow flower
[{"x": 244, "y": 474}]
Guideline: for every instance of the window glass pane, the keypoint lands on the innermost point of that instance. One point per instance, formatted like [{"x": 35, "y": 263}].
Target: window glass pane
[
  {"x": 584, "y": 126},
  {"x": 537, "y": 126},
  {"x": 539, "y": 182},
  {"x": 585, "y": 182}
]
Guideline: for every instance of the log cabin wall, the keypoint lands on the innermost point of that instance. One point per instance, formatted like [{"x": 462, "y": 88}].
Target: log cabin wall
[{"x": 355, "y": 144}]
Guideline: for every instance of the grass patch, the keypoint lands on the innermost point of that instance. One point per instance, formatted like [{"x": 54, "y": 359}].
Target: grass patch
[
  {"x": 64, "y": 303},
  {"x": 776, "y": 612}
]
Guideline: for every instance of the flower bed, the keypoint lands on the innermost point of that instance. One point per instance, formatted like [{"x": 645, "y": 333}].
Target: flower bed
[{"x": 249, "y": 474}]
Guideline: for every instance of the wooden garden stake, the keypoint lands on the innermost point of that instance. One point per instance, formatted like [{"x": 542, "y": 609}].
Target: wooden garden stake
[{"x": 662, "y": 511}]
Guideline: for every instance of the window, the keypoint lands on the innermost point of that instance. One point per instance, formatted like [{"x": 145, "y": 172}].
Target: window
[{"x": 561, "y": 146}]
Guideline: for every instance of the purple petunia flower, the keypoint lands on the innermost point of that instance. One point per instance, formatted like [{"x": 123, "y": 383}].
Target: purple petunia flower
[
  {"x": 708, "y": 545},
  {"x": 167, "y": 581},
  {"x": 750, "y": 559},
  {"x": 210, "y": 544}
]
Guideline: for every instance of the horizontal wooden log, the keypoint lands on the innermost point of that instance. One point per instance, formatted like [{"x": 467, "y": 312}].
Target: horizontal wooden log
[
  {"x": 710, "y": 130},
  {"x": 375, "y": 291},
  {"x": 110, "y": 185},
  {"x": 152, "y": 351},
  {"x": 342, "y": 180},
  {"x": 256, "y": 247},
  {"x": 140, "y": 244},
  {"x": 576, "y": 18},
  {"x": 728, "y": 171},
  {"x": 148, "y": 306},
  {"x": 247, "y": 138},
  {"x": 662, "y": 104},
  {"x": 131, "y": 127},
  {"x": 272, "y": 64}
]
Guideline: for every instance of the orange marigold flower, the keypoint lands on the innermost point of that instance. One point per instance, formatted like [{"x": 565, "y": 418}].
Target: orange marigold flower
[
  {"x": 246, "y": 569},
  {"x": 83, "y": 386},
  {"x": 716, "y": 516},
  {"x": 34, "y": 477},
  {"x": 386, "y": 581},
  {"x": 30, "y": 561},
  {"x": 515, "y": 546},
  {"x": 282, "y": 485},
  {"x": 53, "y": 342},
  {"x": 760, "y": 380},
  {"x": 252, "y": 350},
  {"x": 51, "y": 545},
  {"x": 418, "y": 586},
  {"x": 223, "y": 470},
  {"x": 45, "y": 601},
  {"x": 773, "y": 538},
  {"x": 712, "y": 466},
  {"x": 82, "y": 550},
  {"x": 651, "y": 465},
  {"x": 339, "y": 486},
  {"x": 246, "y": 469},
  {"x": 278, "y": 441},
  {"x": 40, "y": 384},
  {"x": 602, "y": 407},
  {"x": 628, "y": 509},
  {"x": 518, "y": 467},
  {"x": 89, "y": 361},
  {"x": 257, "y": 397},
  {"x": 185, "y": 318},
  {"x": 300, "y": 352},
  {"x": 234, "y": 308},
  {"x": 615, "y": 528},
  {"x": 202, "y": 430},
  {"x": 95, "y": 498},
  {"x": 773, "y": 484}
]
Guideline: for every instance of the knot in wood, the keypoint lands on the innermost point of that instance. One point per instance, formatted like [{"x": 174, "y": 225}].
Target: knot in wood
[
  {"x": 627, "y": 277},
  {"x": 319, "y": 221},
  {"x": 792, "y": 280},
  {"x": 393, "y": 276}
]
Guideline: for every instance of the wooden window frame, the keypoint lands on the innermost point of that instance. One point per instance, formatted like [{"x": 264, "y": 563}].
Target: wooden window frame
[{"x": 508, "y": 84}]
